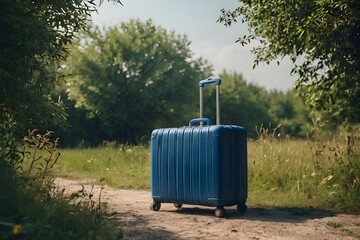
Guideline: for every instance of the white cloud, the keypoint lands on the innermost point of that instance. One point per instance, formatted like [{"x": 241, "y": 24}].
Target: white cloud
[{"x": 210, "y": 39}]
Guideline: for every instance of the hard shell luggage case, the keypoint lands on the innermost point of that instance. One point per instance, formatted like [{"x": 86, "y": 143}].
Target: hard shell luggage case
[{"x": 200, "y": 165}]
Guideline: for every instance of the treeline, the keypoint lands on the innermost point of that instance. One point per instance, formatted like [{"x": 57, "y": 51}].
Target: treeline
[
  {"x": 125, "y": 81},
  {"x": 242, "y": 103},
  {"x": 254, "y": 107}
]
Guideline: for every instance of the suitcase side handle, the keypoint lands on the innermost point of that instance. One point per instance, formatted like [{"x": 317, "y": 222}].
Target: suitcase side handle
[
  {"x": 202, "y": 83},
  {"x": 199, "y": 120}
]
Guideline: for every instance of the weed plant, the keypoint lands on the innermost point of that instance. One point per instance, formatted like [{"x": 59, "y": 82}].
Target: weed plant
[
  {"x": 320, "y": 172},
  {"x": 31, "y": 207}
]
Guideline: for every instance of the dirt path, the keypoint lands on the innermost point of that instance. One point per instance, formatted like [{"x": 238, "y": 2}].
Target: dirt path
[{"x": 197, "y": 222}]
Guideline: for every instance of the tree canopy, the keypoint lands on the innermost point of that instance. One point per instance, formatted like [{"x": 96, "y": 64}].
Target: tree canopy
[
  {"x": 242, "y": 103},
  {"x": 34, "y": 39},
  {"x": 34, "y": 36},
  {"x": 252, "y": 106},
  {"x": 322, "y": 39},
  {"x": 134, "y": 77}
]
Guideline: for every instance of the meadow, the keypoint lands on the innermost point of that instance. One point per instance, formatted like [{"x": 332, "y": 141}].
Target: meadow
[{"x": 283, "y": 172}]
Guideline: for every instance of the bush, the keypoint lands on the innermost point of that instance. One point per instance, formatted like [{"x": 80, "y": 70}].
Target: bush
[{"x": 31, "y": 207}]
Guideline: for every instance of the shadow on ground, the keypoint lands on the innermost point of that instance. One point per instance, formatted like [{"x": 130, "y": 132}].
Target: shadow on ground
[
  {"x": 135, "y": 226},
  {"x": 292, "y": 215}
]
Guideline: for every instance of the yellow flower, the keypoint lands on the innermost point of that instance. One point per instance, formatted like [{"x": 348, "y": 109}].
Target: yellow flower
[{"x": 17, "y": 229}]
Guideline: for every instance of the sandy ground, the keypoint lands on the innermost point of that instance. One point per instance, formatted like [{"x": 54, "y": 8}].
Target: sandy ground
[{"x": 131, "y": 211}]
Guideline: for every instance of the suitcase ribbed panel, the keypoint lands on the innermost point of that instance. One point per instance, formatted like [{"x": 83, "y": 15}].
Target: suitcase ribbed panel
[{"x": 199, "y": 165}]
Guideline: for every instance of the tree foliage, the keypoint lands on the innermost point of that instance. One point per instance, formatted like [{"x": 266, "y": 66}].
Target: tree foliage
[
  {"x": 288, "y": 111},
  {"x": 34, "y": 39},
  {"x": 249, "y": 105},
  {"x": 321, "y": 37},
  {"x": 242, "y": 103},
  {"x": 133, "y": 78}
]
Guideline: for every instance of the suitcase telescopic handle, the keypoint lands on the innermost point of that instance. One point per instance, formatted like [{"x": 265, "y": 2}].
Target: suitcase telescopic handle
[
  {"x": 202, "y": 83},
  {"x": 210, "y": 80}
]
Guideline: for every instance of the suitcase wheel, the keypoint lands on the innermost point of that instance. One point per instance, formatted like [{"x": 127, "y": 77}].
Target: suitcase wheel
[
  {"x": 241, "y": 207},
  {"x": 155, "y": 206},
  {"x": 178, "y": 205},
  {"x": 220, "y": 212}
]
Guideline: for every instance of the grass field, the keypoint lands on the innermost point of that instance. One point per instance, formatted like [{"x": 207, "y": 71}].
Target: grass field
[
  {"x": 119, "y": 166},
  {"x": 282, "y": 172}
]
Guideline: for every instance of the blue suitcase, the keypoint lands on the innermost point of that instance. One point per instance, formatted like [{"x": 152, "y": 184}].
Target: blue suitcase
[{"x": 200, "y": 164}]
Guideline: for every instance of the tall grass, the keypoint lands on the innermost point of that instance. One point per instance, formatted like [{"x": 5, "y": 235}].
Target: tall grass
[
  {"x": 282, "y": 172},
  {"x": 31, "y": 207},
  {"x": 305, "y": 173}
]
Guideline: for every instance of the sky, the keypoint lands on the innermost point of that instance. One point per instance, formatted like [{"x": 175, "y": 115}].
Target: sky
[{"x": 211, "y": 40}]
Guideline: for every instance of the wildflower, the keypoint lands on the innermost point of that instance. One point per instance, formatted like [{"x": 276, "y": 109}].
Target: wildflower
[
  {"x": 17, "y": 229},
  {"x": 313, "y": 174}
]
